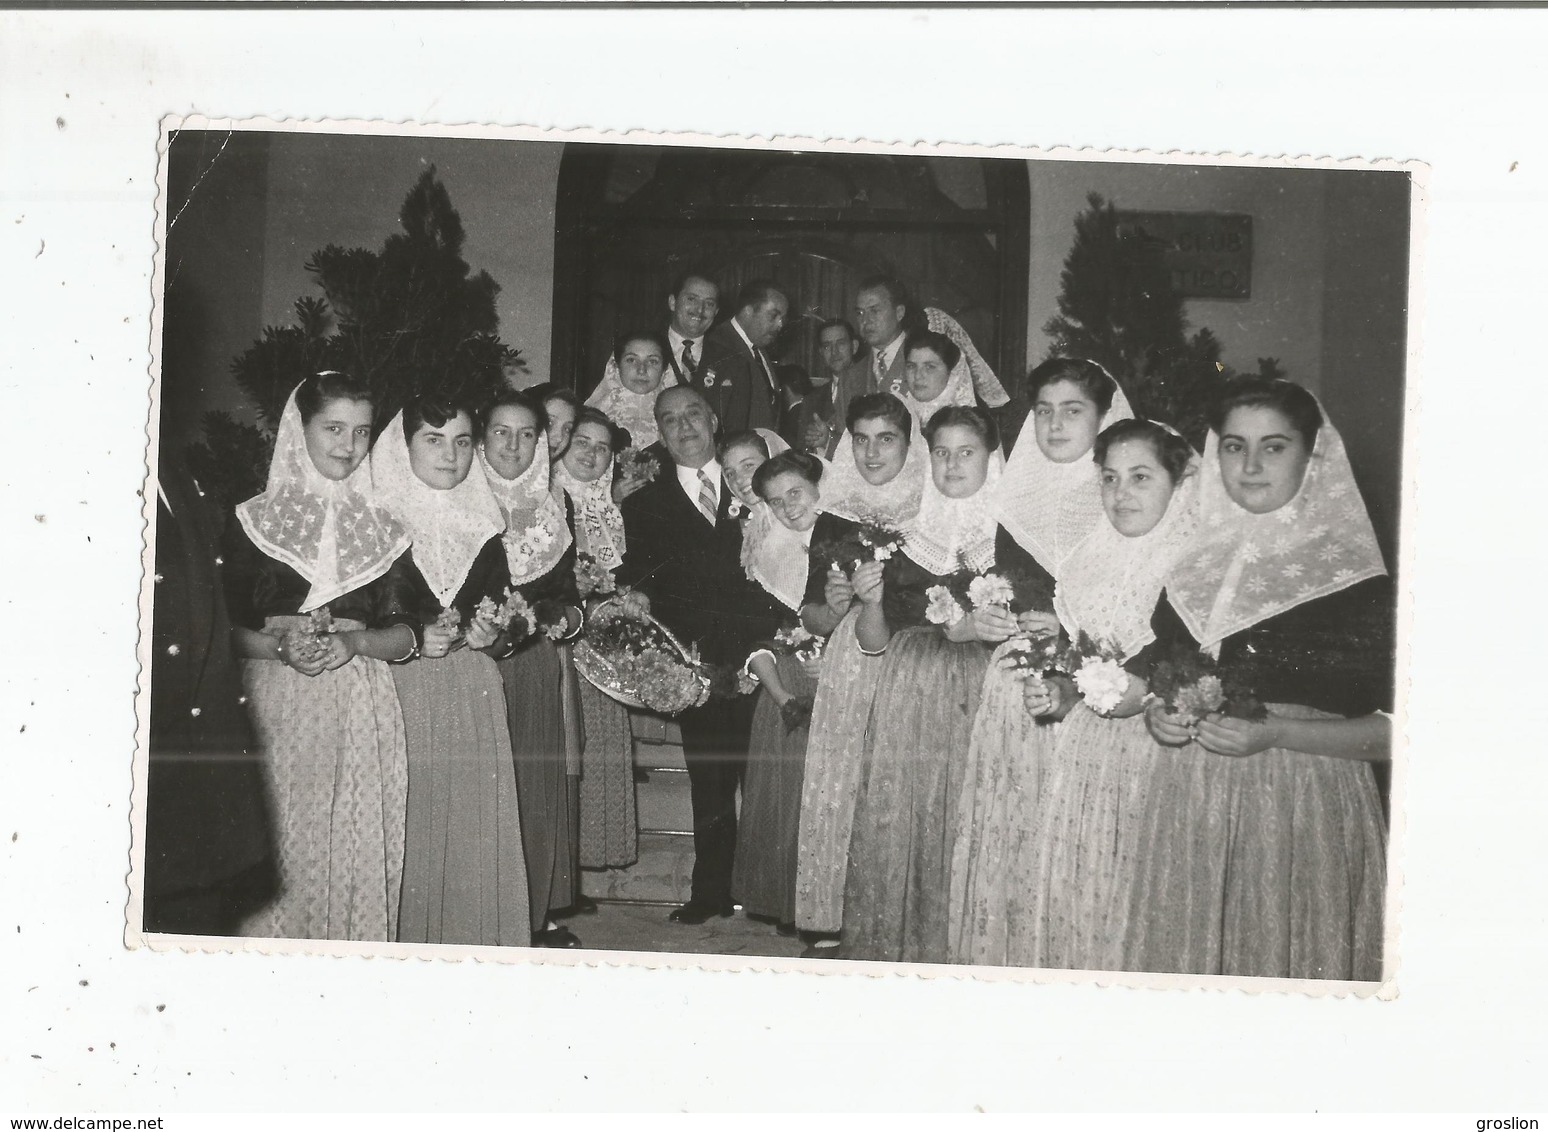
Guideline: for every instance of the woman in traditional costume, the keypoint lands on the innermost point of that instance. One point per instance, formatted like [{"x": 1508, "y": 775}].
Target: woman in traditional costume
[
  {"x": 1264, "y": 842},
  {"x": 464, "y": 874},
  {"x": 1048, "y": 501},
  {"x": 937, "y": 375},
  {"x": 875, "y": 482},
  {"x": 609, "y": 823},
  {"x": 1094, "y": 784},
  {"x": 636, "y": 372},
  {"x": 539, "y": 551},
  {"x": 764, "y": 880},
  {"x": 896, "y": 892},
  {"x": 303, "y": 578}
]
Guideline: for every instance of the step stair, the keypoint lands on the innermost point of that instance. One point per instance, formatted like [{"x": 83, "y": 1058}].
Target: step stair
[{"x": 663, "y": 874}]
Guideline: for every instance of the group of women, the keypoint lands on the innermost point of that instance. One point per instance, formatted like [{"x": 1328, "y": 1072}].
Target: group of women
[
  {"x": 917, "y": 790},
  {"x": 437, "y": 772},
  {"x": 953, "y": 800}
]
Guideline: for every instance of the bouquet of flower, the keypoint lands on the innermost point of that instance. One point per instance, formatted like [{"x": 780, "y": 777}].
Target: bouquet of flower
[
  {"x": 638, "y": 662},
  {"x": 449, "y": 618},
  {"x": 1192, "y": 685},
  {"x": 591, "y": 577},
  {"x": 1032, "y": 655},
  {"x": 966, "y": 590},
  {"x": 797, "y": 642},
  {"x": 870, "y": 542},
  {"x": 636, "y": 464},
  {"x": 305, "y": 642},
  {"x": 796, "y": 713},
  {"x": 1097, "y": 668}
]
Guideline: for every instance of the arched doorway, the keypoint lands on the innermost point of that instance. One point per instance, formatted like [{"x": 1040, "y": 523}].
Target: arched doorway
[{"x": 629, "y": 219}]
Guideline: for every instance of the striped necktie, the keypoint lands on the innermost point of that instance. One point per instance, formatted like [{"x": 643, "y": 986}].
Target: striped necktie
[
  {"x": 690, "y": 367},
  {"x": 881, "y": 374},
  {"x": 706, "y": 497}
]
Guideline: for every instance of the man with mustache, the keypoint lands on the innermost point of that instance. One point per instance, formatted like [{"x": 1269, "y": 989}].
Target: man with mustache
[{"x": 685, "y": 555}]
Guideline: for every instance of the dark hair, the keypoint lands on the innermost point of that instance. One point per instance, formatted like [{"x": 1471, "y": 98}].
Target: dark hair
[
  {"x": 326, "y": 386},
  {"x": 897, "y": 294},
  {"x": 1090, "y": 378},
  {"x": 803, "y": 464},
  {"x": 681, "y": 280},
  {"x": 738, "y": 439},
  {"x": 618, "y": 436},
  {"x": 1173, "y": 452},
  {"x": 937, "y": 343},
  {"x": 965, "y": 416},
  {"x": 694, "y": 389},
  {"x": 880, "y": 406},
  {"x": 435, "y": 411},
  {"x": 755, "y": 292},
  {"x": 643, "y": 335},
  {"x": 849, "y": 329},
  {"x": 1288, "y": 399},
  {"x": 521, "y": 399}
]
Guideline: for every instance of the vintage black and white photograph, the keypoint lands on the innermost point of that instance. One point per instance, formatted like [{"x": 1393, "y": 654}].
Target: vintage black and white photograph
[{"x": 828, "y": 554}]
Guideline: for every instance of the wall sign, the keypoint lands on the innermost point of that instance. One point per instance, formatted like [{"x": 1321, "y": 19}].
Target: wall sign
[{"x": 1209, "y": 254}]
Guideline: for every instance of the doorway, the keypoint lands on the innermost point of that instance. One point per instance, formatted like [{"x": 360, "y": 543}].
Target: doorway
[{"x": 630, "y": 219}]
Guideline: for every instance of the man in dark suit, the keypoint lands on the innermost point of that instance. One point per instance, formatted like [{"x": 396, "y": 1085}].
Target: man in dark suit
[
  {"x": 684, "y": 554},
  {"x": 817, "y": 422},
  {"x": 693, "y": 303},
  {"x": 736, "y": 377},
  {"x": 882, "y": 315}
]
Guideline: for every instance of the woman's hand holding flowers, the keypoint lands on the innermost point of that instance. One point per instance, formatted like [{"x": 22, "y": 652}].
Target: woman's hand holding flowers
[
  {"x": 439, "y": 640},
  {"x": 1037, "y": 623},
  {"x": 1168, "y": 728},
  {"x": 1237, "y": 738},
  {"x": 991, "y": 623},
  {"x": 868, "y": 582},
  {"x": 481, "y": 634},
  {"x": 838, "y": 592}
]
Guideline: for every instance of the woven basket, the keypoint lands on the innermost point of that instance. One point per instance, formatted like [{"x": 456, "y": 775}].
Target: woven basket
[{"x": 604, "y": 675}]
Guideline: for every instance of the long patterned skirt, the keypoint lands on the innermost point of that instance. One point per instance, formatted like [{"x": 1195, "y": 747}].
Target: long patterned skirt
[
  {"x": 337, "y": 773},
  {"x": 992, "y": 856},
  {"x": 896, "y": 897},
  {"x": 764, "y": 878},
  {"x": 1271, "y": 865},
  {"x": 534, "y": 698},
  {"x": 609, "y": 822},
  {"x": 464, "y": 870},
  {"x": 841, "y": 712},
  {"x": 1085, "y": 837}
]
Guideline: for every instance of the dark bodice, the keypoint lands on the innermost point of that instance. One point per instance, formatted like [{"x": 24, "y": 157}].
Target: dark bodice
[
  {"x": 1034, "y": 585},
  {"x": 406, "y": 598},
  {"x": 258, "y": 587},
  {"x": 828, "y": 529},
  {"x": 905, "y": 584},
  {"x": 1336, "y": 653}
]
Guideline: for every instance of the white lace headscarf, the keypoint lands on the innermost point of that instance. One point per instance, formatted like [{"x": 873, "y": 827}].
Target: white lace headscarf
[
  {"x": 955, "y": 534},
  {"x": 1109, "y": 584},
  {"x": 773, "y": 555},
  {"x": 1246, "y": 568},
  {"x": 536, "y": 534},
  {"x": 599, "y": 525},
  {"x": 448, "y": 527},
  {"x": 988, "y": 386},
  {"x": 628, "y": 409},
  {"x": 957, "y": 391},
  {"x": 334, "y": 533},
  {"x": 847, "y": 494},
  {"x": 1047, "y": 507}
]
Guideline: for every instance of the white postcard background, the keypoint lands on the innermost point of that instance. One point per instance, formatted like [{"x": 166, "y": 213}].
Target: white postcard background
[{"x": 92, "y": 1026}]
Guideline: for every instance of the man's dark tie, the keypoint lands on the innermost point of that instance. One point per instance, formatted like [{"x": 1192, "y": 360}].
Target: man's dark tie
[{"x": 689, "y": 365}]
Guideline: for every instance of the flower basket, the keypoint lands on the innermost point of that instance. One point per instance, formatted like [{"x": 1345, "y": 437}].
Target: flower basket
[{"x": 638, "y": 662}]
